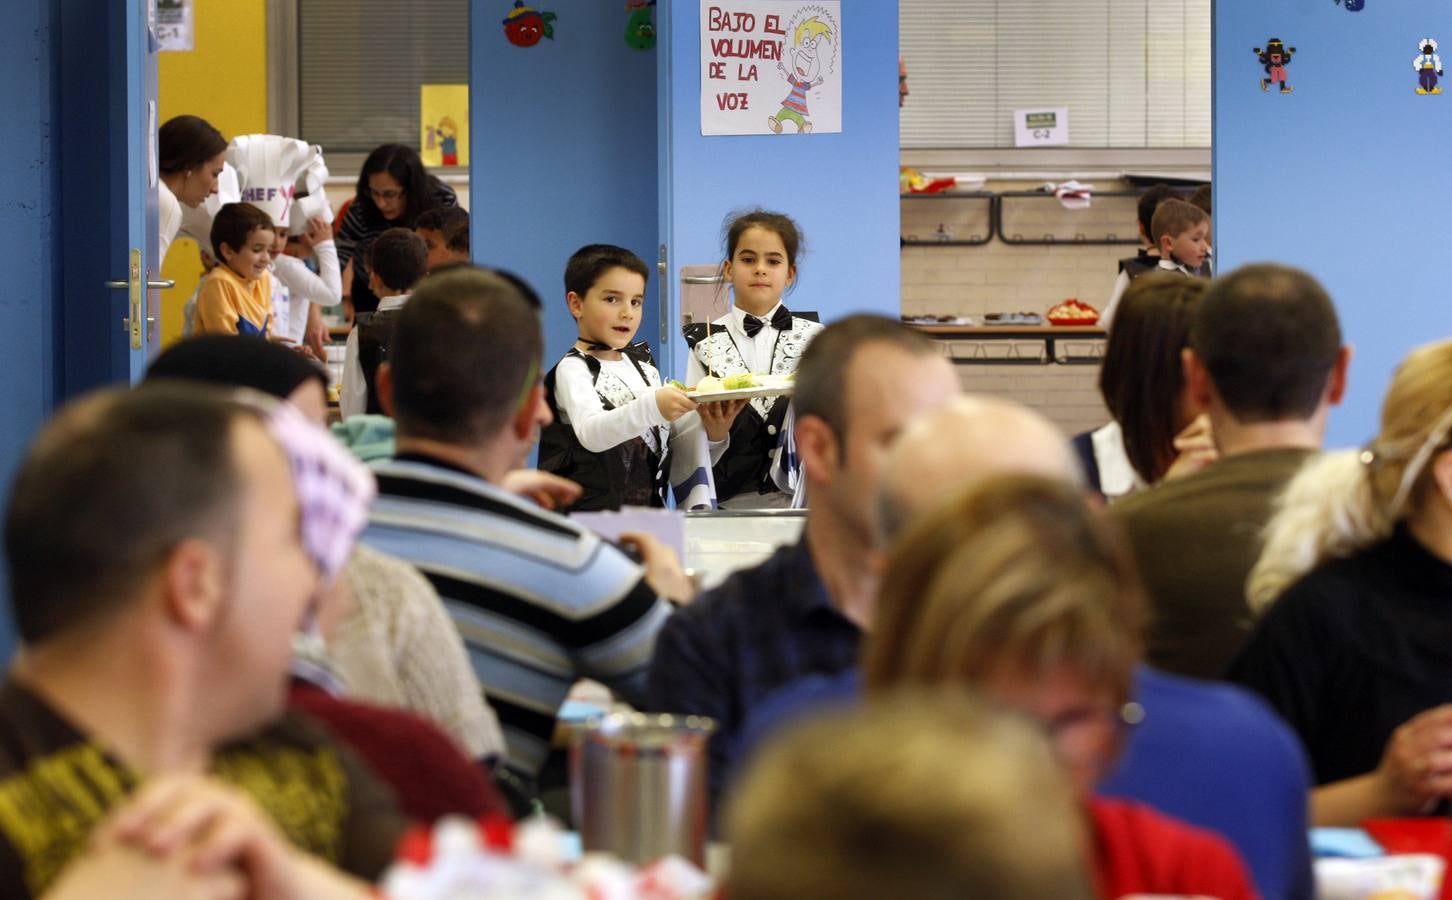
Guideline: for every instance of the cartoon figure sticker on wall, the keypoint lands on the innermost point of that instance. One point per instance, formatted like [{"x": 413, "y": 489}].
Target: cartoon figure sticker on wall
[
  {"x": 639, "y": 29},
  {"x": 1428, "y": 66},
  {"x": 811, "y": 55},
  {"x": 1352, "y": 5},
  {"x": 1274, "y": 59},
  {"x": 525, "y": 25}
]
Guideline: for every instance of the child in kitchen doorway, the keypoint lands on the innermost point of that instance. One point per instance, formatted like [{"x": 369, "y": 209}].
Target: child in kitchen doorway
[
  {"x": 615, "y": 424},
  {"x": 758, "y": 335}
]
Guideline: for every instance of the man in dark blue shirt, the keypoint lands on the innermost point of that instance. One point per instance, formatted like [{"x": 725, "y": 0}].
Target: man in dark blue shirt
[{"x": 803, "y": 611}]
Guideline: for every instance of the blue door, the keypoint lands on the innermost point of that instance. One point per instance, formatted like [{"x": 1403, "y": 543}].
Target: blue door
[
  {"x": 840, "y": 187},
  {"x": 108, "y": 190}
]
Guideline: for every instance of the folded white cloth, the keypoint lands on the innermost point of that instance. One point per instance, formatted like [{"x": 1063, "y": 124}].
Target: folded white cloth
[{"x": 1072, "y": 194}]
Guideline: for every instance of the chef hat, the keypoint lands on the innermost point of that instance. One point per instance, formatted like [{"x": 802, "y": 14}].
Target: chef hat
[{"x": 272, "y": 170}]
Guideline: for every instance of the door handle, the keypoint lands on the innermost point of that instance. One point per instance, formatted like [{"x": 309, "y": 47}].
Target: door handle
[
  {"x": 131, "y": 324},
  {"x": 163, "y": 285},
  {"x": 702, "y": 279}
]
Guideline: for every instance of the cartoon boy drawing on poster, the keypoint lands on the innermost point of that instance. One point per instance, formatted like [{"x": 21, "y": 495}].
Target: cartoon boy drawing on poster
[{"x": 812, "y": 40}]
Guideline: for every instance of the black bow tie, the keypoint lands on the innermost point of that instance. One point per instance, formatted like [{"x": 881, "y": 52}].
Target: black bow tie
[{"x": 781, "y": 320}]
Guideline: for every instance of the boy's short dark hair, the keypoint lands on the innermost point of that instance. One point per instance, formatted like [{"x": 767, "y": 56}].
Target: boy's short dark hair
[
  {"x": 82, "y": 532},
  {"x": 465, "y": 350},
  {"x": 1269, "y": 338},
  {"x": 1149, "y": 201},
  {"x": 456, "y": 237},
  {"x": 588, "y": 263},
  {"x": 442, "y": 218},
  {"x": 1174, "y": 218},
  {"x": 821, "y": 377},
  {"x": 1201, "y": 198},
  {"x": 235, "y": 223},
  {"x": 399, "y": 258}
]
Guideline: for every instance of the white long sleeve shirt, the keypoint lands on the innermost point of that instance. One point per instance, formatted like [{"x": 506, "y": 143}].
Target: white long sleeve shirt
[
  {"x": 597, "y": 428},
  {"x": 306, "y": 287}
]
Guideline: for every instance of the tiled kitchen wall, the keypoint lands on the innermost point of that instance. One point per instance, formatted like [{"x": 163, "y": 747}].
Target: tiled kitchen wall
[{"x": 999, "y": 277}]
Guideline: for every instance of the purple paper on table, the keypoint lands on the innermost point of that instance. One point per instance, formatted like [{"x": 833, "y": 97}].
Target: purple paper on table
[{"x": 666, "y": 525}]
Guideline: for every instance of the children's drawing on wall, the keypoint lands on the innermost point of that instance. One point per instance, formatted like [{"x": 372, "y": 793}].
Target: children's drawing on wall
[
  {"x": 1428, "y": 66},
  {"x": 812, "y": 39},
  {"x": 771, "y": 67},
  {"x": 444, "y": 124},
  {"x": 639, "y": 29},
  {"x": 525, "y": 25},
  {"x": 1274, "y": 59}
]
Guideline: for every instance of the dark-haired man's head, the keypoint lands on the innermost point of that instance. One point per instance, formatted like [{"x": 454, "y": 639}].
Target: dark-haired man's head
[
  {"x": 464, "y": 368},
  {"x": 202, "y": 566},
  {"x": 861, "y": 381},
  {"x": 1265, "y": 347},
  {"x": 231, "y": 360},
  {"x": 397, "y": 260},
  {"x": 445, "y": 230}
]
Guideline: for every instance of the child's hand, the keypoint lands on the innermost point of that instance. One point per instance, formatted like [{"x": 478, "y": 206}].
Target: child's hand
[
  {"x": 673, "y": 402},
  {"x": 717, "y": 417},
  {"x": 317, "y": 232}
]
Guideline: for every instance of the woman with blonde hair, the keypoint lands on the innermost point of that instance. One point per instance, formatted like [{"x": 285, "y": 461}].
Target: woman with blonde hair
[
  {"x": 1354, "y": 583},
  {"x": 1019, "y": 590}
]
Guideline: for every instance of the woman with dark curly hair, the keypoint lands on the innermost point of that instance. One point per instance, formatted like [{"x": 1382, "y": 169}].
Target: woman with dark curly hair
[{"x": 393, "y": 189}]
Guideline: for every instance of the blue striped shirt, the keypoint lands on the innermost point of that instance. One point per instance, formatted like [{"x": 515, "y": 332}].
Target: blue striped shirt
[{"x": 539, "y": 601}]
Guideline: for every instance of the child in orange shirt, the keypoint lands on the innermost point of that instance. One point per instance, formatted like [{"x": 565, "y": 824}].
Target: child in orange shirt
[{"x": 236, "y": 296}]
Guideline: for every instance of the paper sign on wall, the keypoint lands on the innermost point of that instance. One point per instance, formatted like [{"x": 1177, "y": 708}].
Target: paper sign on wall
[
  {"x": 1041, "y": 127},
  {"x": 771, "y": 66},
  {"x": 173, "y": 27},
  {"x": 444, "y": 124}
]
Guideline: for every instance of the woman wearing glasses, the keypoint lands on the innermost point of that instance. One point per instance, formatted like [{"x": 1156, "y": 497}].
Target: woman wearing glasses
[
  {"x": 1355, "y": 647},
  {"x": 393, "y": 189},
  {"x": 1019, "y": 590}
]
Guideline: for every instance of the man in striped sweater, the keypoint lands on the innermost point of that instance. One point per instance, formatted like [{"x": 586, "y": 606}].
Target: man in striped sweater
[{"x": 540, "y": 601}]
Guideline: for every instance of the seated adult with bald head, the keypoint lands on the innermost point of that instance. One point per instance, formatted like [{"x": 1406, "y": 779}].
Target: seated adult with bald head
[
  {"x": 1207, "y": 753},
  {"x": 156, "y": 619},
  {"x": 860, "y": 382},
  {"x": 1266, "y": 361}
]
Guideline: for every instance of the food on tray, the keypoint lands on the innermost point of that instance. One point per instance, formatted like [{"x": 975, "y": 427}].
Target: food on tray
[
  {"x": 1072, "y": 312},
  {"x": 1013, "y": 318},
  {"x": 677, "y": 385},
  {"x": 708, "y": 385},
  {"x": 739, "y": 382}
]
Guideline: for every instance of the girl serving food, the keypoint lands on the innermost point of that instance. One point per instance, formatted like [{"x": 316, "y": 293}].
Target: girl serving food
[{"x": 758, "y": 335}]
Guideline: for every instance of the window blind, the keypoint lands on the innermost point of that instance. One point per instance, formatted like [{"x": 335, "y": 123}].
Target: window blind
[
  {"x": 1133, "y": 73},
  {"x": 360, "y": 64}
]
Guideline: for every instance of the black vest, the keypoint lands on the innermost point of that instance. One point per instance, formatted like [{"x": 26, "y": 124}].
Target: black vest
[
  {"x": 745, "y": 467},
  {"x": 602, "y": 475},
  {"x": 375, "y": 336},
  {"x": 1143, "y": 264}
]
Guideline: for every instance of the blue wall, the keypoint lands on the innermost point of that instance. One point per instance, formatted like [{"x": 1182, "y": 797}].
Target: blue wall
[
  {"x": 563, "y": 151},
  {"x": 841, "y": 188},
  {"x": 1346, "y": 177},
  {"x": 29, "y": 223}
]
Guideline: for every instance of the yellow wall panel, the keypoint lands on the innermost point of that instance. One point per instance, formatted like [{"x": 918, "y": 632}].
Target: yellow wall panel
[{"x": 223, "y": 79}]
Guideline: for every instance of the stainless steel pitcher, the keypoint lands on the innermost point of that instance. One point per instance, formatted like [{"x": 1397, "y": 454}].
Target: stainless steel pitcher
[{"x": 638, "y": 785}]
